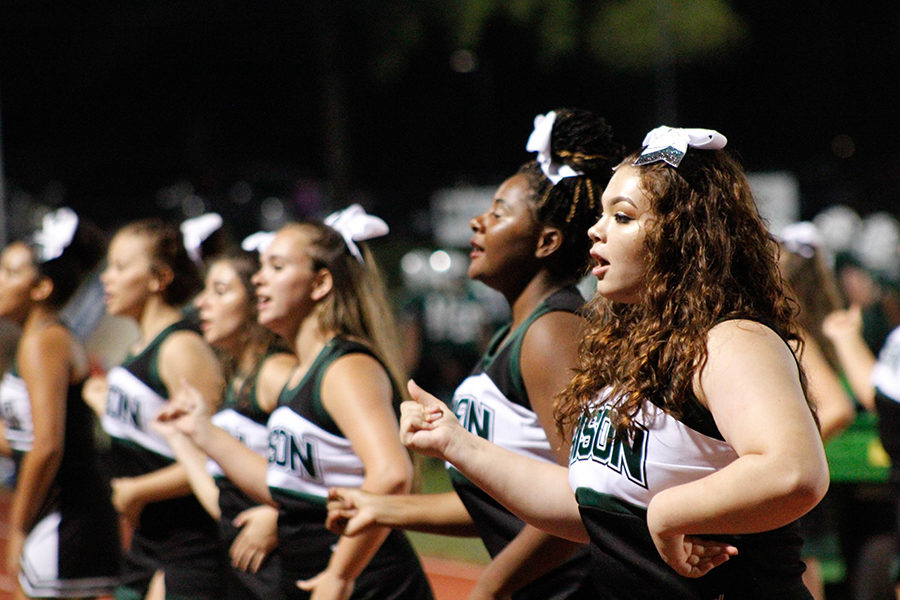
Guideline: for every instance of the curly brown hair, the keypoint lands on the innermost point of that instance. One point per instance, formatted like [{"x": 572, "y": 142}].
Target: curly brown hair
[{"x": 709, "y": 258}]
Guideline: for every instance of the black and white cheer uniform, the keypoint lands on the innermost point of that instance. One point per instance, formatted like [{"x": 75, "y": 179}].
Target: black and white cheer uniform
[
  {"x": 492, "y": 403},
  {"x": 177, "y": 535},
  {"x": 308, "y": 454}
]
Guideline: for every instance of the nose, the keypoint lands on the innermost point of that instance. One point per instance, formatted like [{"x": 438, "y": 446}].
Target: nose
[
  {"x": 476, "y": 224},
  {"x": 597, "y": 231},
  {"x": 200, "y": 300},
  {"x": 256, "y": 278}
]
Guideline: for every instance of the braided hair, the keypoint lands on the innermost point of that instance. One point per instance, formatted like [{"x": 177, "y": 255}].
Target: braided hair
[{"x": 584, "y": 141}]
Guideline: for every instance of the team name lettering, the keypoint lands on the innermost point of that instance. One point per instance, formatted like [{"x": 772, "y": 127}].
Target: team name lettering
[
  {"x": 120, "y": 408},
  {"x": 596, "y": 441},
  {"x": 475, "y": 417},
  {"x": 9, "y": 415},
  {"x": 293, "y": 454}
]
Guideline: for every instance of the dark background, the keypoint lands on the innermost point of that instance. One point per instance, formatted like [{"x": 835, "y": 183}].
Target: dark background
[{"x": 106, "y": 103}]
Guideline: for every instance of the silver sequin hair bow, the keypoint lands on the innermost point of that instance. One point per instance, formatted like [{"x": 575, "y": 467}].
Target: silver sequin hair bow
[{"x": 669, "y": 144}]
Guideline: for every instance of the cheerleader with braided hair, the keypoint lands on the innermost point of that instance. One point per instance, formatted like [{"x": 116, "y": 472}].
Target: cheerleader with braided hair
[
  {"x": 695, "y": 448},
  {"x": 530, "y": 245}
]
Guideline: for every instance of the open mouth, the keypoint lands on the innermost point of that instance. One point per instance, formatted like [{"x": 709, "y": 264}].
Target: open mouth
[
  {"x": 476, "y": 250},
  {"x": 601, "y": 265}
]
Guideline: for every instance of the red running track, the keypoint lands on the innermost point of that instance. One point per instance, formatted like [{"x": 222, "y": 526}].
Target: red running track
[{"x": 451, "y": 580}]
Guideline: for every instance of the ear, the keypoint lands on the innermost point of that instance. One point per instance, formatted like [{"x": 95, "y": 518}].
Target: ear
[
  {"x": 548, "y": 242},
  {"x": 42, "y": 289},
  {"x": 162, "y": 278},
  {"x": 322, "y": 284}
]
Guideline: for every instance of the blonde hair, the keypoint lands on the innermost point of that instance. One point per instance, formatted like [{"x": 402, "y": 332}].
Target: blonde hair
[{"x": 357, "y": 306}]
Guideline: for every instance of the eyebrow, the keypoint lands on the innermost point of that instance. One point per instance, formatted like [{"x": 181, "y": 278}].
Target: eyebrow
[{"x": 625, "y": 199}]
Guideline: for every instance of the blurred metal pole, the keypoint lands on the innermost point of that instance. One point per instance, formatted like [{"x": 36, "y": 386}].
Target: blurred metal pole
[
  {"x": 665, "y": 68},
  {"x": 3, "y": 228}
]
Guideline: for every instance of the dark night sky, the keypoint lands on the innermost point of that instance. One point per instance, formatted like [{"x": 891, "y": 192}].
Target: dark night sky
[{"x": 118, "y": 99}]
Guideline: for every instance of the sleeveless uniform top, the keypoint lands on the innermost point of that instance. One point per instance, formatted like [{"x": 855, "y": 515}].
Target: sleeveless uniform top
[
  {"x": 136, "y": 394},
  {"x": 307, "y": 454},
  {"x": 886, "y": 379},
  {"x": 15, "y": 410},
  {"x": 614, "y": 480},
  {"x": 246, "y": 422},
  {"x": 492, "y": 403},
  {"x": 73, "y": 546},
  {"x": 242, "y": 417}
]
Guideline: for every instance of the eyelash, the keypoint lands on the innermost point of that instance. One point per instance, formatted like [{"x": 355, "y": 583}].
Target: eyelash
[{"x": 622, "y": 218}]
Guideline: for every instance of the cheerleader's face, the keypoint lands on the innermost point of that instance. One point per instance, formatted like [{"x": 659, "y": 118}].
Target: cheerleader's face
[
  {"x": 285, "y": 282},
  {"x": 18, "y": 277},
  {"x": 618, "y": 238},
  {"x": 224, "y": 307},
  {"x": 128, "y": 279},
  {"x": 504, "y": 238}
]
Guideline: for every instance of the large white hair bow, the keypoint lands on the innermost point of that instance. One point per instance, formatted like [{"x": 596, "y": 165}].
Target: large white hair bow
[
  {"x": 355, "y": 225},
  {"x": 670, "y": 143},
  {"x": 195, "y": 231},
  {"x": 258, "y": 241},
  {"x": 56, "y": 233},
  {"x": 539, "y": 141},
  {"x": 801, "y": 238}
]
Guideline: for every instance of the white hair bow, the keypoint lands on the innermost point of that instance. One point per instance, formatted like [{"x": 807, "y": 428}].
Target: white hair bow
[
  {"x": 258, "y": 241},
  {"x": 539, "y": 141},
  {"x": 355, "y": 225},
  {"x": 195, "y": 231},
  {"x": 670, "y": 143},
  {"x": 801, "y": 238},
  {"x": 56, "y": 233}
]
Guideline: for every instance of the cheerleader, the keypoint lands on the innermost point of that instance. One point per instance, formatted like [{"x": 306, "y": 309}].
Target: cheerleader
[
  {"x": 695, "y": 449},
  {"x": 63, "y": 538}
]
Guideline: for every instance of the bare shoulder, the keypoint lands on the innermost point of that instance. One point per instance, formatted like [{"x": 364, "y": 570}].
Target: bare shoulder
[
  {"x": 744, "y": 356},
  {"x": 356, "y": 369},
  {"x": 182, "y": 341},
  {"x": 553, "y": 331},
  {"x": 46, "y": 346},
  {"x": 742, "y": 336}
]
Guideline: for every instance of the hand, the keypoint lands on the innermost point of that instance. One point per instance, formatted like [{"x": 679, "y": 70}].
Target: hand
[
  {"x": 691, "y": 556},
  {"x": 14, "y": 546},
  {"x": 483, "y": 590},
  {"x": 165, "y": 428},
  {"x": 350, "y": 511},
  {"x": 94, "y": 393},
  {"x": 327, "y": 586},
  {"x": 427, "y": 425},
  {"x": 187, "y": 412},
  {"x": 257, "y": 538},
  {"x": 843, "y": 323},
  {"x": 126, "y": 499}
]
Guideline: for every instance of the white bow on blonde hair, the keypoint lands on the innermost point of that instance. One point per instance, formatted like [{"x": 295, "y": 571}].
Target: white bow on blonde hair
[{"x": 355, "y": 225}]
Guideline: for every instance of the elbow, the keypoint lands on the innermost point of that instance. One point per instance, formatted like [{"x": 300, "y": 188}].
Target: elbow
[
  {"x": 48, "y": 456},
  {"x": 806, "y": 486},
  {"x": 390, "y": 479},
  {"x": 833, "y": 422}
]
